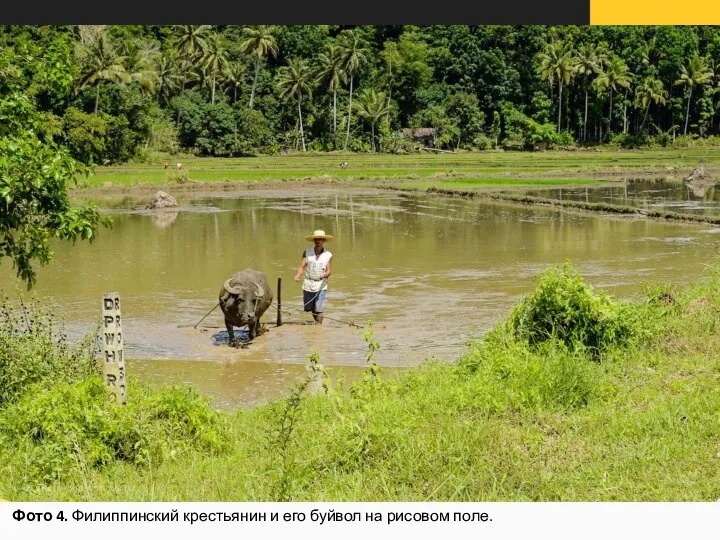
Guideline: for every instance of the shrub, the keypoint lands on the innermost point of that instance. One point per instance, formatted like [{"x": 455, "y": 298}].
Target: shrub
[
  {"x": 482, "y": 142},
  {"x": 626, "y": 140},
  {"x": 34, "y": 350},
  {"x": 50, "y": 433},
  {"x": 563, "y": 307}
]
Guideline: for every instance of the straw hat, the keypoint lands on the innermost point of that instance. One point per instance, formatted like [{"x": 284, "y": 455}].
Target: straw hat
[{"x": 319, "y": 233}]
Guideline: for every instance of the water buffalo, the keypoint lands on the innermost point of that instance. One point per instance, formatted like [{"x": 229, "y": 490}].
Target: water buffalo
[{"x": 243, "y": 299}]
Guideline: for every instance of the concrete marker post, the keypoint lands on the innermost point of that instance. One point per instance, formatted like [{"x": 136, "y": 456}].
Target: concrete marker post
[{"x": 113, "y": 361}]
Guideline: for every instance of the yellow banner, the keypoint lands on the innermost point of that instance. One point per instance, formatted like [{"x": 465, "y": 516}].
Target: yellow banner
[{"x": 655, "y": 12}]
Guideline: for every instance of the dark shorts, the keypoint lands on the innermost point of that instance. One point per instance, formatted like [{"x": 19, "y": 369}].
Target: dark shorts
[{"x": 314, "y": 301}]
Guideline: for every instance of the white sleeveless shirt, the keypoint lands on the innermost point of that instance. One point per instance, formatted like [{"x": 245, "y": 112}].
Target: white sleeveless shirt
[{"x": 316, "y": 266}]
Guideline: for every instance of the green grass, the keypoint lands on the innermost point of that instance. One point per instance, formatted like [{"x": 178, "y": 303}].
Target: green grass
[
  {"x": 481, "y": 167},
  {"x": 510, "y": 421}
]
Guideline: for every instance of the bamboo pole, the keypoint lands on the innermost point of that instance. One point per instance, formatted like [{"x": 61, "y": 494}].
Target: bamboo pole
[{"x": 279, "y": 302}]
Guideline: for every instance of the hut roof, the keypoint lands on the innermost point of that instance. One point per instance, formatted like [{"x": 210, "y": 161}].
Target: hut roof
[{"x": 419, "y": 132}]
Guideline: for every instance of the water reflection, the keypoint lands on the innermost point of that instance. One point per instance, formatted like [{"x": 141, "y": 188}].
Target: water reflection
[
  {"x": 164, "y": 218},
  {"x": 675, "y": 195}
]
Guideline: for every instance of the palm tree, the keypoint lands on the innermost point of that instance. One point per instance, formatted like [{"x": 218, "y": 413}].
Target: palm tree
[
  {"x": 101, "y": 61},
  {"x": 259, "y": 42},
  {"x": 215, "y": 61},
  {"x": 294, "y": 81},
  {"x": 697, "y": 73},
  {"x": 557, "y": 62},
  {"x": 234, "y": 76},
  {"x": 190, "y": 39},
  {"x": 371, "y": 106},
  {"x": 168, "y": 78},
  {"x": 546, "y": 70},
  {"x": 329, "y": 72},
  {"x": 613, "y": 76},
  {"x": 651, "y": 90},
  {"x": 353, "y": 55},
  {"x": 190, "y": 42},
  {"x": 141, "y": 58},
  {"x": 392, "y": 58},
  {"x": 589, "y": 62}
]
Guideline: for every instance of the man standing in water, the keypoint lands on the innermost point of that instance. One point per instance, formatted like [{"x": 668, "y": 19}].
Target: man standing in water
[{"x": 316, "y": 263}]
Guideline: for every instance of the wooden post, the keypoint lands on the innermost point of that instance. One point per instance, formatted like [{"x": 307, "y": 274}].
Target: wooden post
[
  {"x": 113, "y": 360},
  {"x": 279, "y": 303}
]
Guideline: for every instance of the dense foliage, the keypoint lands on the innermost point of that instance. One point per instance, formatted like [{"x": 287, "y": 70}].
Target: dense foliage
[
  {"x": 232, "y": 90},
  {"x": 36, "y": 82},
  {"x": 55, "y": 416}
]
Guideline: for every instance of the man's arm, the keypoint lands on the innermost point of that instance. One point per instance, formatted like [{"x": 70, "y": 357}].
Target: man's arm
[
  {"x": 328, "y": 270},
  {"x": 301, "y": 268}
]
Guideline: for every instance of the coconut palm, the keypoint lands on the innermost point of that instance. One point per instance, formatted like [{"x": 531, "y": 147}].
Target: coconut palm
[
  {"x": 168, "y": 78},
  {"x": 557, "y": 63},
  {"x": 199, "y": 76},
  {"x": 651, "y": 90},
  {"x": 295, "y": 81},
  {"x": 546, "y": 71},
  {"x": 214, "y": 61},
  {"x": 190, "y": 41},
  {"x": 371, "y": 106},
  {"x": 328, "y": 72},
  {"x": 612, "y": 77},
  {"x": 259, "y": 42},
  {"x": 141, "y": 58},
  {"x": 353, "y": 55},
  {"x": 234, "y": 77},
  {"x": 392, "y": 58},
  {"x": 100, "y": 61},
  {"x": 697, "y": 73},
  {"x": 589, "y": 62}
]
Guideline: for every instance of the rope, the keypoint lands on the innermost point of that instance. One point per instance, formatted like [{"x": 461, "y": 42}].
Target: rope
[
  {"x": 324, "y": 316},
  {"x": 286, "y": 312},
  {"x": 208, "y": 313}
]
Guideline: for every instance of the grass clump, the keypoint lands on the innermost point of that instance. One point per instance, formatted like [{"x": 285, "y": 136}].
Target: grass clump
[
  {"x": 55, "y": 416},
  {"x": 34, "y": 350},
  {"x": 52, "y": 433},
  {"x": 564, "y": 308}
]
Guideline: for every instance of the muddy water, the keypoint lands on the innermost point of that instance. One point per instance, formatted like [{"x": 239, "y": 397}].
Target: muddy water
[{"x": 430, "y": 273}]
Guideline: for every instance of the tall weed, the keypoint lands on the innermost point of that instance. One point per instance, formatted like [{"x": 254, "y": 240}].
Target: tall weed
[{"x": 34, "y": 349}]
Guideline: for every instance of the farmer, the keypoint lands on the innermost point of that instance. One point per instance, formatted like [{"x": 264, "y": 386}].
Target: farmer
[{"x": 316, "y": 263}]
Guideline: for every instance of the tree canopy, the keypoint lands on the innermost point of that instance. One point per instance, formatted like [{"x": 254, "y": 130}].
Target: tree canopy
[
  {"x": 35, "y": 169},
  {"x": 133, "y": 90}
]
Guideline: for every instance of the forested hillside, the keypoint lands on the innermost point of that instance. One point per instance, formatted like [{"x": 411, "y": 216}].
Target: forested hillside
[{"x": 114, "y": 93}]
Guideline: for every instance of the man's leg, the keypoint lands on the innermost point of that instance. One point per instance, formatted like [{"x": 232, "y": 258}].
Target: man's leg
[{"x": 319, "y": 303}]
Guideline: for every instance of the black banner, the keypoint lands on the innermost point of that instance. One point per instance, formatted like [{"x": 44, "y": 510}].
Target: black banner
[{"x": 335, "y": 12}]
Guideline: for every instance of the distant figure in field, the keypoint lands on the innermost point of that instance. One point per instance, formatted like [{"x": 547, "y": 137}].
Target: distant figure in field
[
  {"x": 166, "y": 164},
  {"x": 178, "y": 166},
  {"x": 344, "y": 165}
]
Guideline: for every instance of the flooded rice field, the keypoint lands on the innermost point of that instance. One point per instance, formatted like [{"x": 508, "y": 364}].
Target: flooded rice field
[
  {"x": 673, "y": 195},
  {"x": 430, "y": 272}
]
